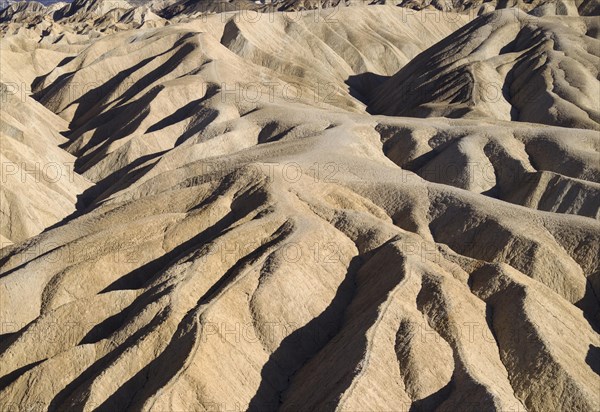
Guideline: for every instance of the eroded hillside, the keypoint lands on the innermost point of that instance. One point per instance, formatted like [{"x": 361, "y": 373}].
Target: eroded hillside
[{"x": 241, "y": 219}]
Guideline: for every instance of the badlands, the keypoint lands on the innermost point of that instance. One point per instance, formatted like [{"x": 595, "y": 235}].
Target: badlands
[{"x": 302, "y": 205}]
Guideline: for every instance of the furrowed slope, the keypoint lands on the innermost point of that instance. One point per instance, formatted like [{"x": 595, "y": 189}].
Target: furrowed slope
[
  {"x": 506, "y": 65},
  {"x": 278, "y": 250},
  {"x": 284, "y": 271}
]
